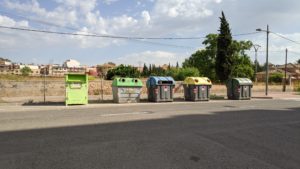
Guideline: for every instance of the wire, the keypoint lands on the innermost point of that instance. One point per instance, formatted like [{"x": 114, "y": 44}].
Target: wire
[
  {"x": 285, "y": 38},
  {"x": 120, "y": 37},
  {"x": 94, "y": 35}
]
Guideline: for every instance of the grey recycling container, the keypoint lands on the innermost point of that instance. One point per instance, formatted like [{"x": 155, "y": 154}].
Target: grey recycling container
[
  {"x": 197, "y": 88},
  {"x": 160, "y": 89},
  {"x": 126, "y": 90},
  {"x": 239, "y": 88}
]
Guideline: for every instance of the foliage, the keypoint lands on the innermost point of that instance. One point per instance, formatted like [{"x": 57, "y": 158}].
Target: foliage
[
  {"x": 26, "y": 71},
  {"x": 298, "y": 61},
  {"x": 276, "y": 77},
  {"x": 181, "y": 73},
  {"x": 224, "y": 59},
  {"x": 242, "y": 65},
  {"x": 204, "y": 60},
  {"x": 123, "y": 71},
  {"x": 177, "y": 65},
  {"x": 222, "y": 56},
  {"x": 146, "y": 71}
]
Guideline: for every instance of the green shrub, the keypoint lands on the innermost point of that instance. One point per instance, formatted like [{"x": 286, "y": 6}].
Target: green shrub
[{"x": 276, "y": 78}]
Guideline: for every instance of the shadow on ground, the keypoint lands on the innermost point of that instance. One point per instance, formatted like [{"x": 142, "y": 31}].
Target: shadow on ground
[{"x": 233, "y": 139}]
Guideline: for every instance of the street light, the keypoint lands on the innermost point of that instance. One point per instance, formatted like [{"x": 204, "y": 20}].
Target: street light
[
  {"x": 256, "y": 47},
  {"x": 267, "y": 56}
]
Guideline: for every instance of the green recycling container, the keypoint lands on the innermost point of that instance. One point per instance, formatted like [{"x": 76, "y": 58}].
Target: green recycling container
[
  {"x": 126, "y": 90},
  {"x": 239, "y": 88},
  {"x": 76, "y": 89}
]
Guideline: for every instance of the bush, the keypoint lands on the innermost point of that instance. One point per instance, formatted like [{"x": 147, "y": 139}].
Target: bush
[
  {"x": 123, "y": 71},
  {"x": 181, "y": 73},
  {"x": 276, "y": 78},
  {"x": 26, "y": 71}
]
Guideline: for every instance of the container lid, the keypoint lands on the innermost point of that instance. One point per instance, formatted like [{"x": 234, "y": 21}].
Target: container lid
[
  {"x": 77, "y": 78},
  {"x": 197, "y": 81},
  {"x": 127, "y": 82},
  {"x": 160, "y": 80},
  {"x": 243, "y": 81}
]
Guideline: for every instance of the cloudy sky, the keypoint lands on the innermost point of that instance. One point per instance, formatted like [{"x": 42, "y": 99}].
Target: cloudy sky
[{"x": 140, "y": 18}]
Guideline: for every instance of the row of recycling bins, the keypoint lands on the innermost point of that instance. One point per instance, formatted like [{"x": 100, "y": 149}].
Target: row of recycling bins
[{"x": 160, "y": 89}]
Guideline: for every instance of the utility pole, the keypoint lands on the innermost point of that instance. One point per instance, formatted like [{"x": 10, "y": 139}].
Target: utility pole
[
  {"x": 267, "y": 61},
  {"x": 44, "y": 84},
  {"x": 285, "y": 69},
  {"x": 256, "y": 47},
  {"x": 267, "y": 57}
]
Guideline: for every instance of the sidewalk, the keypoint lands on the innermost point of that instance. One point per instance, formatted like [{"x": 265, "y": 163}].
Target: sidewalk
[{"x": 94, "y": 99}]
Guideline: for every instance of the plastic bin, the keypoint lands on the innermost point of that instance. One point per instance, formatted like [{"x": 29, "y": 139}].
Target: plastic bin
[
  {"x": 126, "y": 90},
  {"x": 76, "y": 89},
  {"x": 197, "y": 88},
  {"x": 239, "y": 88},
  {"x": 160, "y": 89}
]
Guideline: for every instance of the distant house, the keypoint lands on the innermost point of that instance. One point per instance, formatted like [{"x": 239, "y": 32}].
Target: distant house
[
  {"x": 293, "y": 71},
  {"x": 71, "y": 63}
]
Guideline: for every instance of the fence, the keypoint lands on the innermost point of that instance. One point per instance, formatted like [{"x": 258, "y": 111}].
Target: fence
[{"x": 49, "y": 88}]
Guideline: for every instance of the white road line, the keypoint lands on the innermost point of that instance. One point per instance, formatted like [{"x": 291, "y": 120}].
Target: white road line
[{"x": 118, "y": 114}]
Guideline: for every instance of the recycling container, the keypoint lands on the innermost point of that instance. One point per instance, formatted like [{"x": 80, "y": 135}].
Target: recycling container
[
  {"x": 126, "y": 90},
  {"x": 239, "y": 88},
  {"x": 197, "y": 88},
  {"x": 160, "y": 89},
  {"x": 76, "y": 89}
]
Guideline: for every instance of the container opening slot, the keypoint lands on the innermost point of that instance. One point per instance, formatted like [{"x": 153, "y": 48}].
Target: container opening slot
[{"x": 164, "y": 82}]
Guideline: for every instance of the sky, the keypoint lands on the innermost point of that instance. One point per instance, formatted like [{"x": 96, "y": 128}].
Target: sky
[{"x": 141, "y": 18}]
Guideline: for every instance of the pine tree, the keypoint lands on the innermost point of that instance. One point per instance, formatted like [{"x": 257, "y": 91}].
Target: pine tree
[
  {"x": 224, "y": 59},
  {"x": 169, "y": 66},
  {"x": 177, "y": 65},
  {"x": 150, "y": 70}
]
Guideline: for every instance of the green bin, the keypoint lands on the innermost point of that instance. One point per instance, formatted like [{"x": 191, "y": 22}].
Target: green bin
[
  {"x": 239, "y": 88},
  {"x": 126, "y": 90},
  {"x": 76, "y": 89}
]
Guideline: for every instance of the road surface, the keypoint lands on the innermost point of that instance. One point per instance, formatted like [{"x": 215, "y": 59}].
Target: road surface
[{"x": 257, "y": 134}]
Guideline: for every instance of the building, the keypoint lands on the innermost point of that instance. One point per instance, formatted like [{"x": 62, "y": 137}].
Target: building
[
  {"x": 71, "y": 63},
  {"x": 293, "y": 71}
]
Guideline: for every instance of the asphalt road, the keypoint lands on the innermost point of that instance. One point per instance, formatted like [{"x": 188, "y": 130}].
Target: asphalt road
[{"x": 257, "y": 134}]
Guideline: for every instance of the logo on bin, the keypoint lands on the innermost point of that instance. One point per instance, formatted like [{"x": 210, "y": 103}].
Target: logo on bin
[{"x": 165, "y": 88}]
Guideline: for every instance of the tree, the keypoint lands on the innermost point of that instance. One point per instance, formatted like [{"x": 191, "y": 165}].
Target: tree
[
  {"x": 123, "y": 71},
  {"x": 181, "y": 73},
  {"x": 204, "y": 60},
  {"x": 169, "y": 66},
  {"x": 145, "y": 72},
  {"x": 224, "y": 59},
  {"x": 177, "y": 65},
  {"x": 298, "y": 61},
  {"x": 26, "y": 71}
]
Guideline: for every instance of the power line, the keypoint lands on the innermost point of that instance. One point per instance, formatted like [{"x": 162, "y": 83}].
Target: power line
[
  {"x": 93, "y": 35},
  {"x": 121, "y": 37},
  {"x": 286, "y": 38}
]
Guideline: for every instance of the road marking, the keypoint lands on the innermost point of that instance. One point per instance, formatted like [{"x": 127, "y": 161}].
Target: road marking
[{"x": 130, "y": 113}]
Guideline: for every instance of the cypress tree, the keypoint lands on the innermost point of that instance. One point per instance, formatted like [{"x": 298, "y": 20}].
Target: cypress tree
[
  {"x": 145, "y": 71},
  {"x": 224, "y": 59}
]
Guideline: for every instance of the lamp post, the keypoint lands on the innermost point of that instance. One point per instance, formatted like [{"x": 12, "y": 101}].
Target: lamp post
[
  {"x": 267, "y": 57},
  {"x": 256, "y": 47}
]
